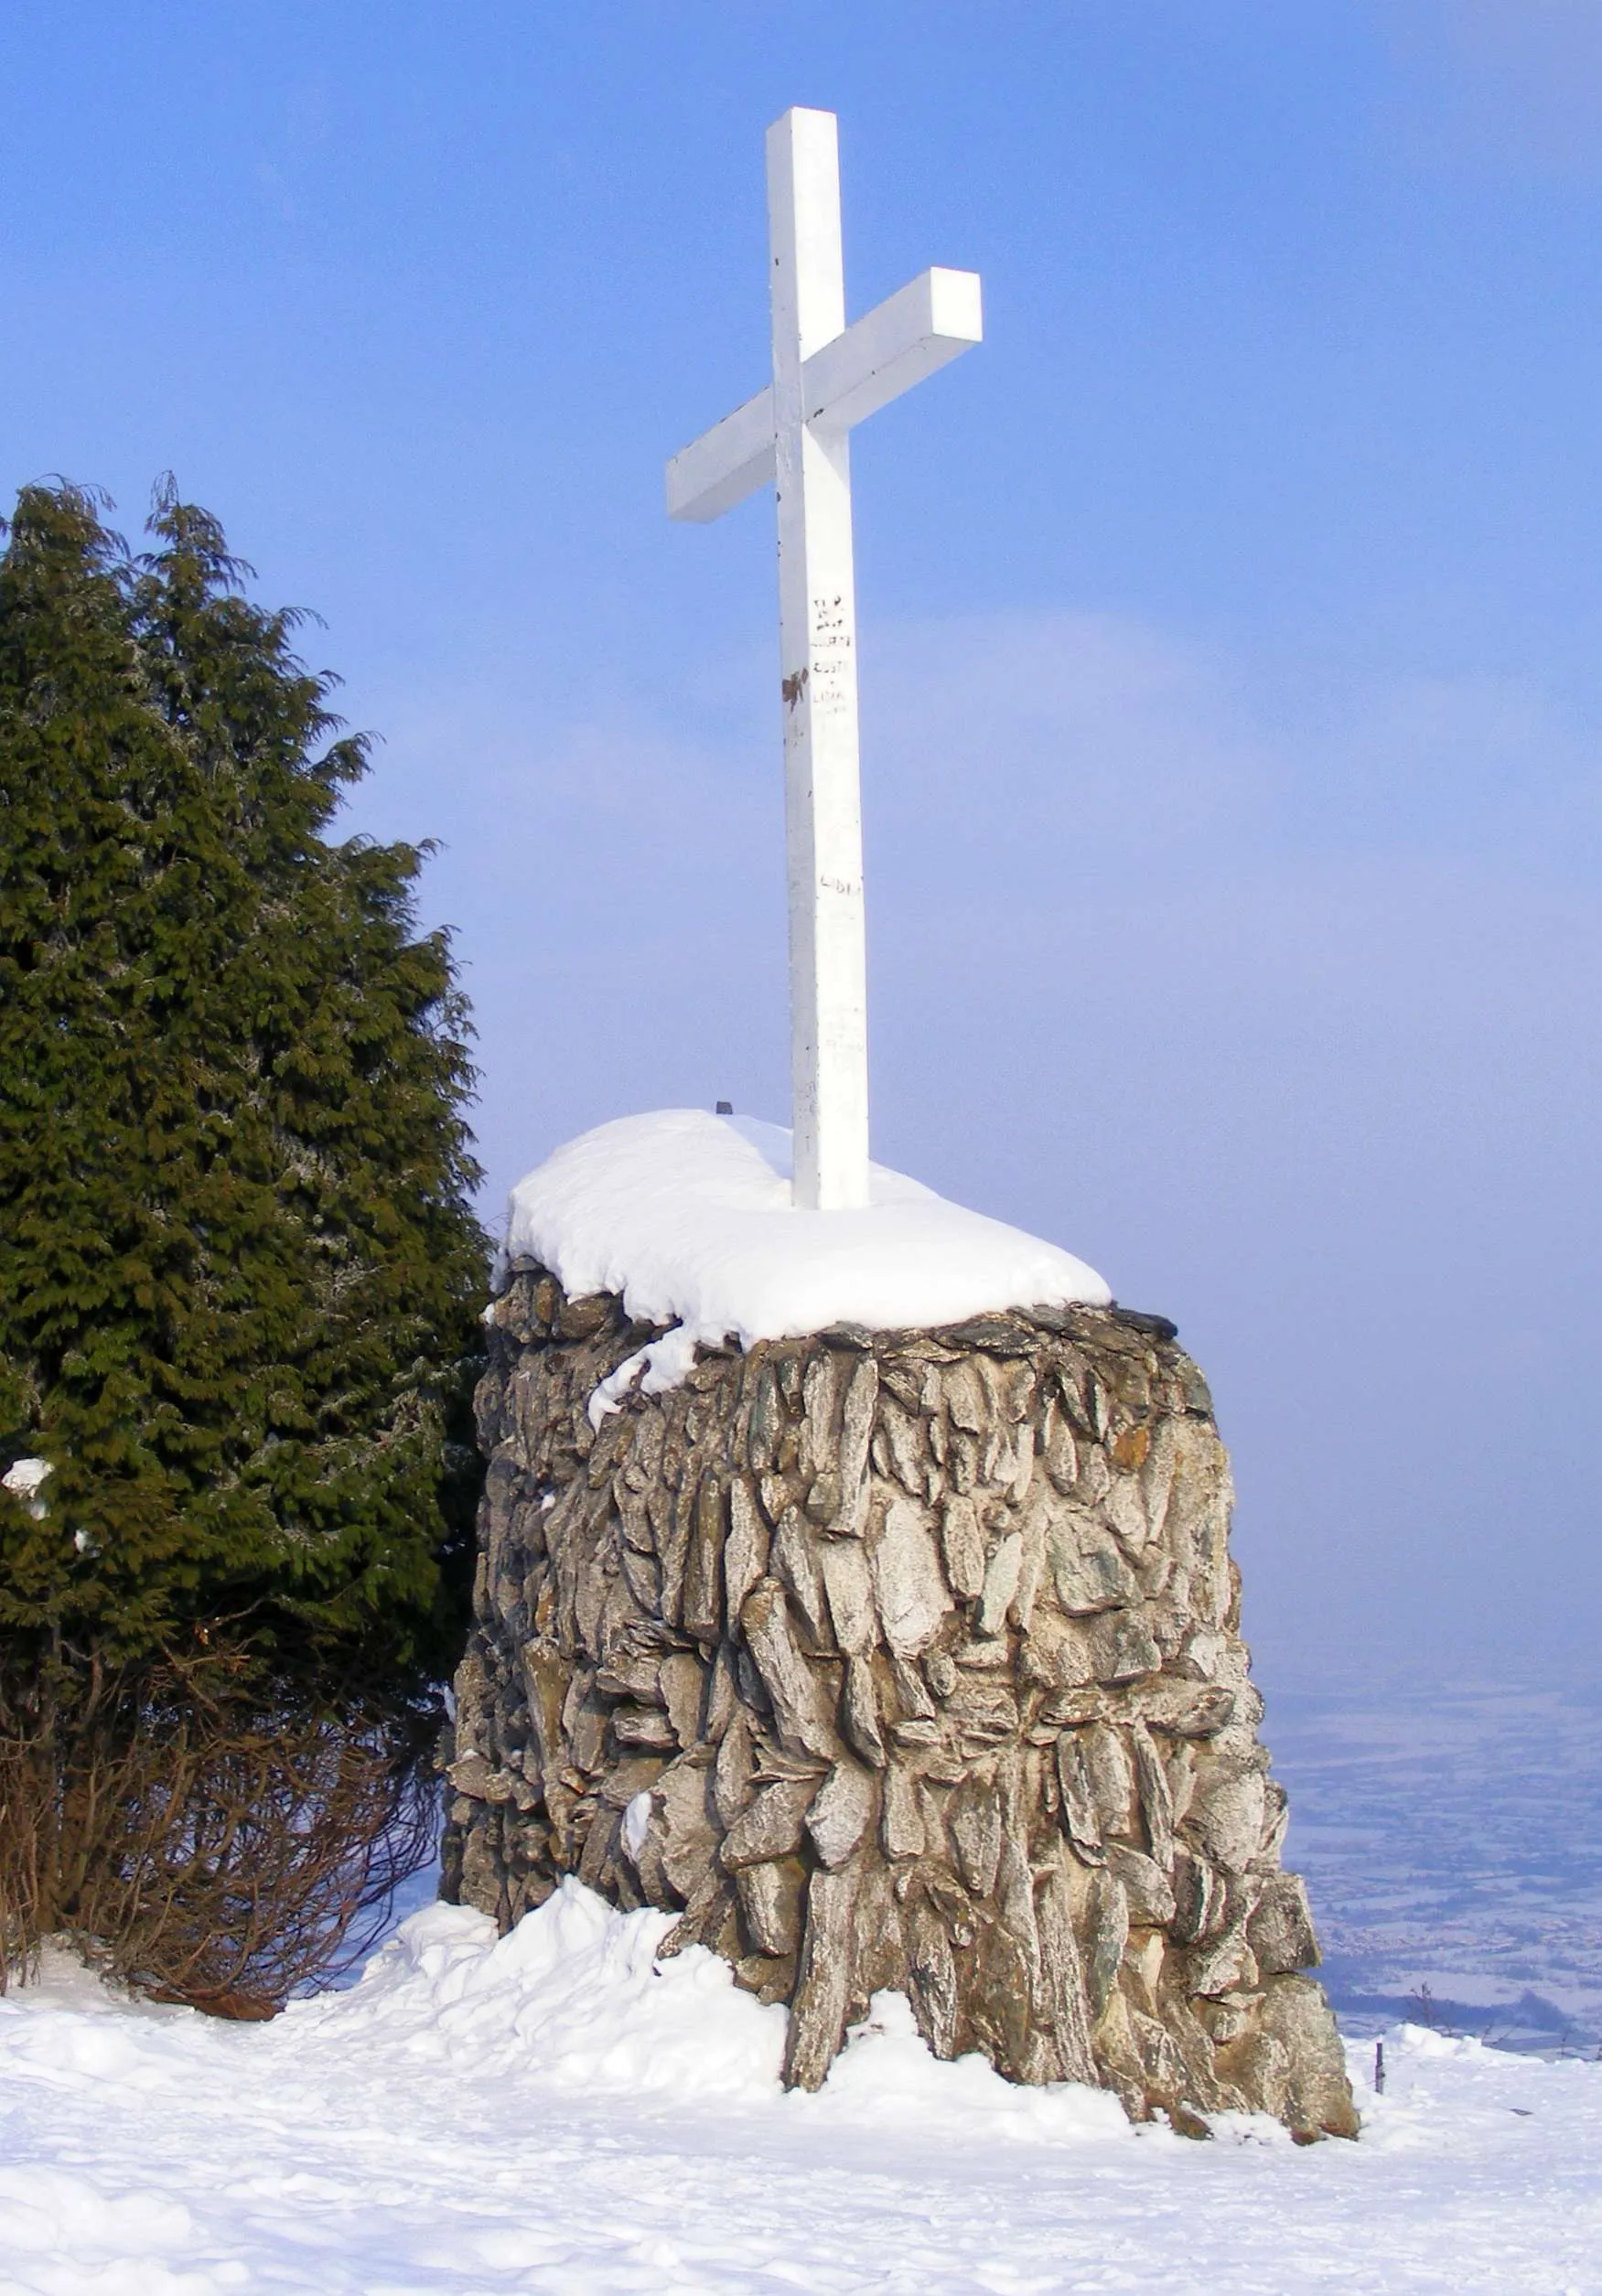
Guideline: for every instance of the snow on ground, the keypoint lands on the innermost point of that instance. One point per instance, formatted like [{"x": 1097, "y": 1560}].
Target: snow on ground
[
  {"x": 689, "y": 1217},
  {"x": 559, "y": 2112}
]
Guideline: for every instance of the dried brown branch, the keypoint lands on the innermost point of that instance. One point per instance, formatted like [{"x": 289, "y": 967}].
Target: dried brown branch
[{"x": 205, "y": 1830}]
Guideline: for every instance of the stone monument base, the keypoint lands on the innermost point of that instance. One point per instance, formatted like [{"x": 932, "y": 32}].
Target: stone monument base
[{"x": 904, "y": 1660}]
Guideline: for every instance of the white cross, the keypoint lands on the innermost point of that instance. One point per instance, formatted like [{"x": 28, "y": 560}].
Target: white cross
[{"x": 796, "y": 435}]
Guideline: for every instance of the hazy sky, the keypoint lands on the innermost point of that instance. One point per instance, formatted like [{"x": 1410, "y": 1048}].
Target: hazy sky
[{"x": 1232, "y": 637}]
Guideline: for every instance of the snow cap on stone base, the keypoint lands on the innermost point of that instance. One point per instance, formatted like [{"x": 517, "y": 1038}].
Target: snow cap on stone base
[{"x": 688, "y": 1218}]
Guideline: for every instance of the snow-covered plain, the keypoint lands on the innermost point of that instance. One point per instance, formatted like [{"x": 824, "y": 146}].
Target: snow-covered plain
[
  {"x": 560, "y": 2112},
  {"x": 1451, "y": 1835},
  {"x": 688, "y": 1219}
]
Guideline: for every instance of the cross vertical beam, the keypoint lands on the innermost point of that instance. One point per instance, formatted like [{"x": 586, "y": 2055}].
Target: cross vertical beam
[
  {"x": 817, "y": 616},
  {"x": 795, "y": 434}
]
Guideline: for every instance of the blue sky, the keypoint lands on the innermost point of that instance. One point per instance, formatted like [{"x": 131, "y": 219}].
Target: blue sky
[{"x": 1232, "y": 682}]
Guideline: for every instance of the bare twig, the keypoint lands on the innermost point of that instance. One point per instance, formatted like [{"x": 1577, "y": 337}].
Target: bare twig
[{"x": 205, "y": 1830}]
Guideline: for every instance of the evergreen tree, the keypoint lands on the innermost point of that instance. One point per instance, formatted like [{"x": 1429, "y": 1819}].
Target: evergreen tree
[{"x": 238, "y": 1268}]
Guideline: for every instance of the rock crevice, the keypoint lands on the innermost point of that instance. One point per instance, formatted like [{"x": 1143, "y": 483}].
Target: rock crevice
[{"x": 896, "y": 1659}]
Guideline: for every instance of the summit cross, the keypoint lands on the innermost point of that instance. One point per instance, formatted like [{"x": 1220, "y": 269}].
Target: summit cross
[{"x": 796, "y": 436}]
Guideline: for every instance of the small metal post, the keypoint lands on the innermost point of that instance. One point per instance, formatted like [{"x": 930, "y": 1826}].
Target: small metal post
[{"x": 1378, "y": 2068}]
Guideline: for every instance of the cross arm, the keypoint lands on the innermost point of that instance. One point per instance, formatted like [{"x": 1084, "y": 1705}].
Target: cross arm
[
  {"x": 725, "y": 464},
  {"x": 907, "y": 336}
]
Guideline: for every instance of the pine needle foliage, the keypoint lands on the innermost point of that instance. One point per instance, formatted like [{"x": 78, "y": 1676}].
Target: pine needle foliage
[{"x": 239, "y": 1266}]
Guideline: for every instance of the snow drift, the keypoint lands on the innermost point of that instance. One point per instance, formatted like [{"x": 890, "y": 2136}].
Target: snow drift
[{"x": 558, "y": 2112}]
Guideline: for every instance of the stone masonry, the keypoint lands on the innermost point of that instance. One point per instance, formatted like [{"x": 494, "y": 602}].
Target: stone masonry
[{"x": 896, "y": 1659}]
